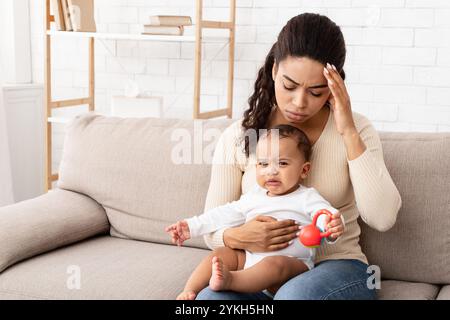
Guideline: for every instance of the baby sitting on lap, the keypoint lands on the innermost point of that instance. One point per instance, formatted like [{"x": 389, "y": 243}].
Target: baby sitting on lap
[{"x": 278, "y": 193}]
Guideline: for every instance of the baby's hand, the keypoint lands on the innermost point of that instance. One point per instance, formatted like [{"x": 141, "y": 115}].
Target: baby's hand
[
  {"x": 179, "y": 232},
  {"x": 336, "y": 226}
]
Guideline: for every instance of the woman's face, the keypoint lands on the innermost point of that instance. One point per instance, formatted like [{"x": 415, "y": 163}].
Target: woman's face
[{"x": 301, "y": 89}]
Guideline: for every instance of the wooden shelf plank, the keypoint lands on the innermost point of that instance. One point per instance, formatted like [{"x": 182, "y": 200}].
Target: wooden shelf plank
[
  {"x": 213, "y": 114},
  {"x": 70, "y": 103},
  {"x": 133, "y": 36},
  {"x": 217, "y": 24}
]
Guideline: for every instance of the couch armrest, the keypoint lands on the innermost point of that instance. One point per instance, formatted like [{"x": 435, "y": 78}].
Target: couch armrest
[{"x": 55, "y": 219}]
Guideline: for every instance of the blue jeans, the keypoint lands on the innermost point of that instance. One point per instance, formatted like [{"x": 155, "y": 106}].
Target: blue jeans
[{"x": 329, "y": 280}]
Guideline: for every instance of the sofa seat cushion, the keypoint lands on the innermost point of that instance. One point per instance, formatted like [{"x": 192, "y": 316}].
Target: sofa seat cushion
[
  {"x": 444, "y": 294},
  {"x": 403, "y": 290},
  {"x": 109, "y": 268}
]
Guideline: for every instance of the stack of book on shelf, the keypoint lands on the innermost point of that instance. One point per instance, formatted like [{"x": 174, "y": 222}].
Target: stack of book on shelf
[
  {"x": 74, "y": 15},
  {"x": 167, "y": 25}
]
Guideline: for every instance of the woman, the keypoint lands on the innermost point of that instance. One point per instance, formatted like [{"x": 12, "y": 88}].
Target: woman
[{"x": 302, "y": 84}]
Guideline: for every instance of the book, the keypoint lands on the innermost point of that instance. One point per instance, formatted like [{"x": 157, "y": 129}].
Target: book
[
  {"x": 65, "y": 10},
  {"x": 58, "y": 14},
  {"x": 163, "y": 30},
  {"x": 82, "y": 15},
  {"x": 174, "y": 21}
]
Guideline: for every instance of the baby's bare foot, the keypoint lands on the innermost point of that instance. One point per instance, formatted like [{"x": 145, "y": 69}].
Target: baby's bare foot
[
  {"x": 187, "y": 295},
  {"x": 220, "y": 277}
]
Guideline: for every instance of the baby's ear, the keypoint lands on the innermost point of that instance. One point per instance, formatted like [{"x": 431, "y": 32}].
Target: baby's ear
[{"x": 305, "y": 170}]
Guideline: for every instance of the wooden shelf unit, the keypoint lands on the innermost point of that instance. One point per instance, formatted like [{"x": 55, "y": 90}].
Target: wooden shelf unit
[{"x": 200, "y": 24}]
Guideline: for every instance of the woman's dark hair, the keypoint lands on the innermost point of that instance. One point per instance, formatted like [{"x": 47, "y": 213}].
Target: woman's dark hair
[
  {"x": 288, "y": 131},
  {"x": 307, "y": 35}
]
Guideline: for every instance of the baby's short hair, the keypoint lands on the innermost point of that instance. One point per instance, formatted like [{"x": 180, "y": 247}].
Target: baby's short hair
[{"x": 285, "y": 131}]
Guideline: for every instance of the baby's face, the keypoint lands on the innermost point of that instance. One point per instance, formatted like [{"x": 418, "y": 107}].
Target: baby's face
[{"x": 280, "y": 169}]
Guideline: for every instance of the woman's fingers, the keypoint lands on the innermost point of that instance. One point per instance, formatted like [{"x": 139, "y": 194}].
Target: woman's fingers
[
  {"x": 276, "y": 247},
  {"x": 282, "y": 224},
  {"x": 331, "y": 84},
  {"x": 336, "y": 91},
  {"x": 292, "y": 230},
  {"x": 336, "y": 77},
  {"x": 265, "y": 219},
  {"x": 281, "y": 240},
  {"x": 285, "y": 238},
  {"x": 278, "y": 234},
  {"x": 336, "y": 84},
  {"x": 274, "y": 223}
]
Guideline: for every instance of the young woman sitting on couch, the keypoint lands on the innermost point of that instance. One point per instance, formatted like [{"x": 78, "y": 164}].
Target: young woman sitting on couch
[{"x": 302, "y": 84}]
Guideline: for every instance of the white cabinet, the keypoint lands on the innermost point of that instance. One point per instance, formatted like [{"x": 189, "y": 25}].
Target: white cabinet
[{"x": 24, "y": 112}]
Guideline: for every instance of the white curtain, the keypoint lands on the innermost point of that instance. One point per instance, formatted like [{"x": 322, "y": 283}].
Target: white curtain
[{"x": 6, "y": 190}]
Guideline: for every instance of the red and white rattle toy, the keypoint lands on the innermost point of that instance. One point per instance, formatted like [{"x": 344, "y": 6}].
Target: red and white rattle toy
[{"x": 310, "y": 236}]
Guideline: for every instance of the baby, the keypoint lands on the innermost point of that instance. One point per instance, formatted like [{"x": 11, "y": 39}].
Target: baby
[{"x": 282, "y": 163}]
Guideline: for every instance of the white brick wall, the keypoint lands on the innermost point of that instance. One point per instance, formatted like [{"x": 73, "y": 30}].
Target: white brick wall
[{"x": 397, "y": 65}]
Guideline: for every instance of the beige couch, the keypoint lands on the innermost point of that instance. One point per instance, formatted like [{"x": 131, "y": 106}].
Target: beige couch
[{"x": 99, "y": 234}]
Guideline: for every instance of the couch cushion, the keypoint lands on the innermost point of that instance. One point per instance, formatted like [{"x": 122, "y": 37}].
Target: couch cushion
[
  {"x": 130, "y": 167},
  {"x": 401, "y": 290},
  {"x": 109, "y": 268},
  {"x": 417, "y": 248},
  {"x": 55, "y": 219},
  {"x": 444, "y": 294}
]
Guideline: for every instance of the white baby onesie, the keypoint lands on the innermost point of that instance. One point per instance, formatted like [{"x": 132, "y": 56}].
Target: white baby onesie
[{"x": 299, "y": 205}]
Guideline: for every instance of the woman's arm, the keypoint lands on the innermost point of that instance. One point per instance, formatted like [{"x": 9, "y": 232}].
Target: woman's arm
[
  {"x": 376, "y": 195},
  {"x": 353, "y": 144}
]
